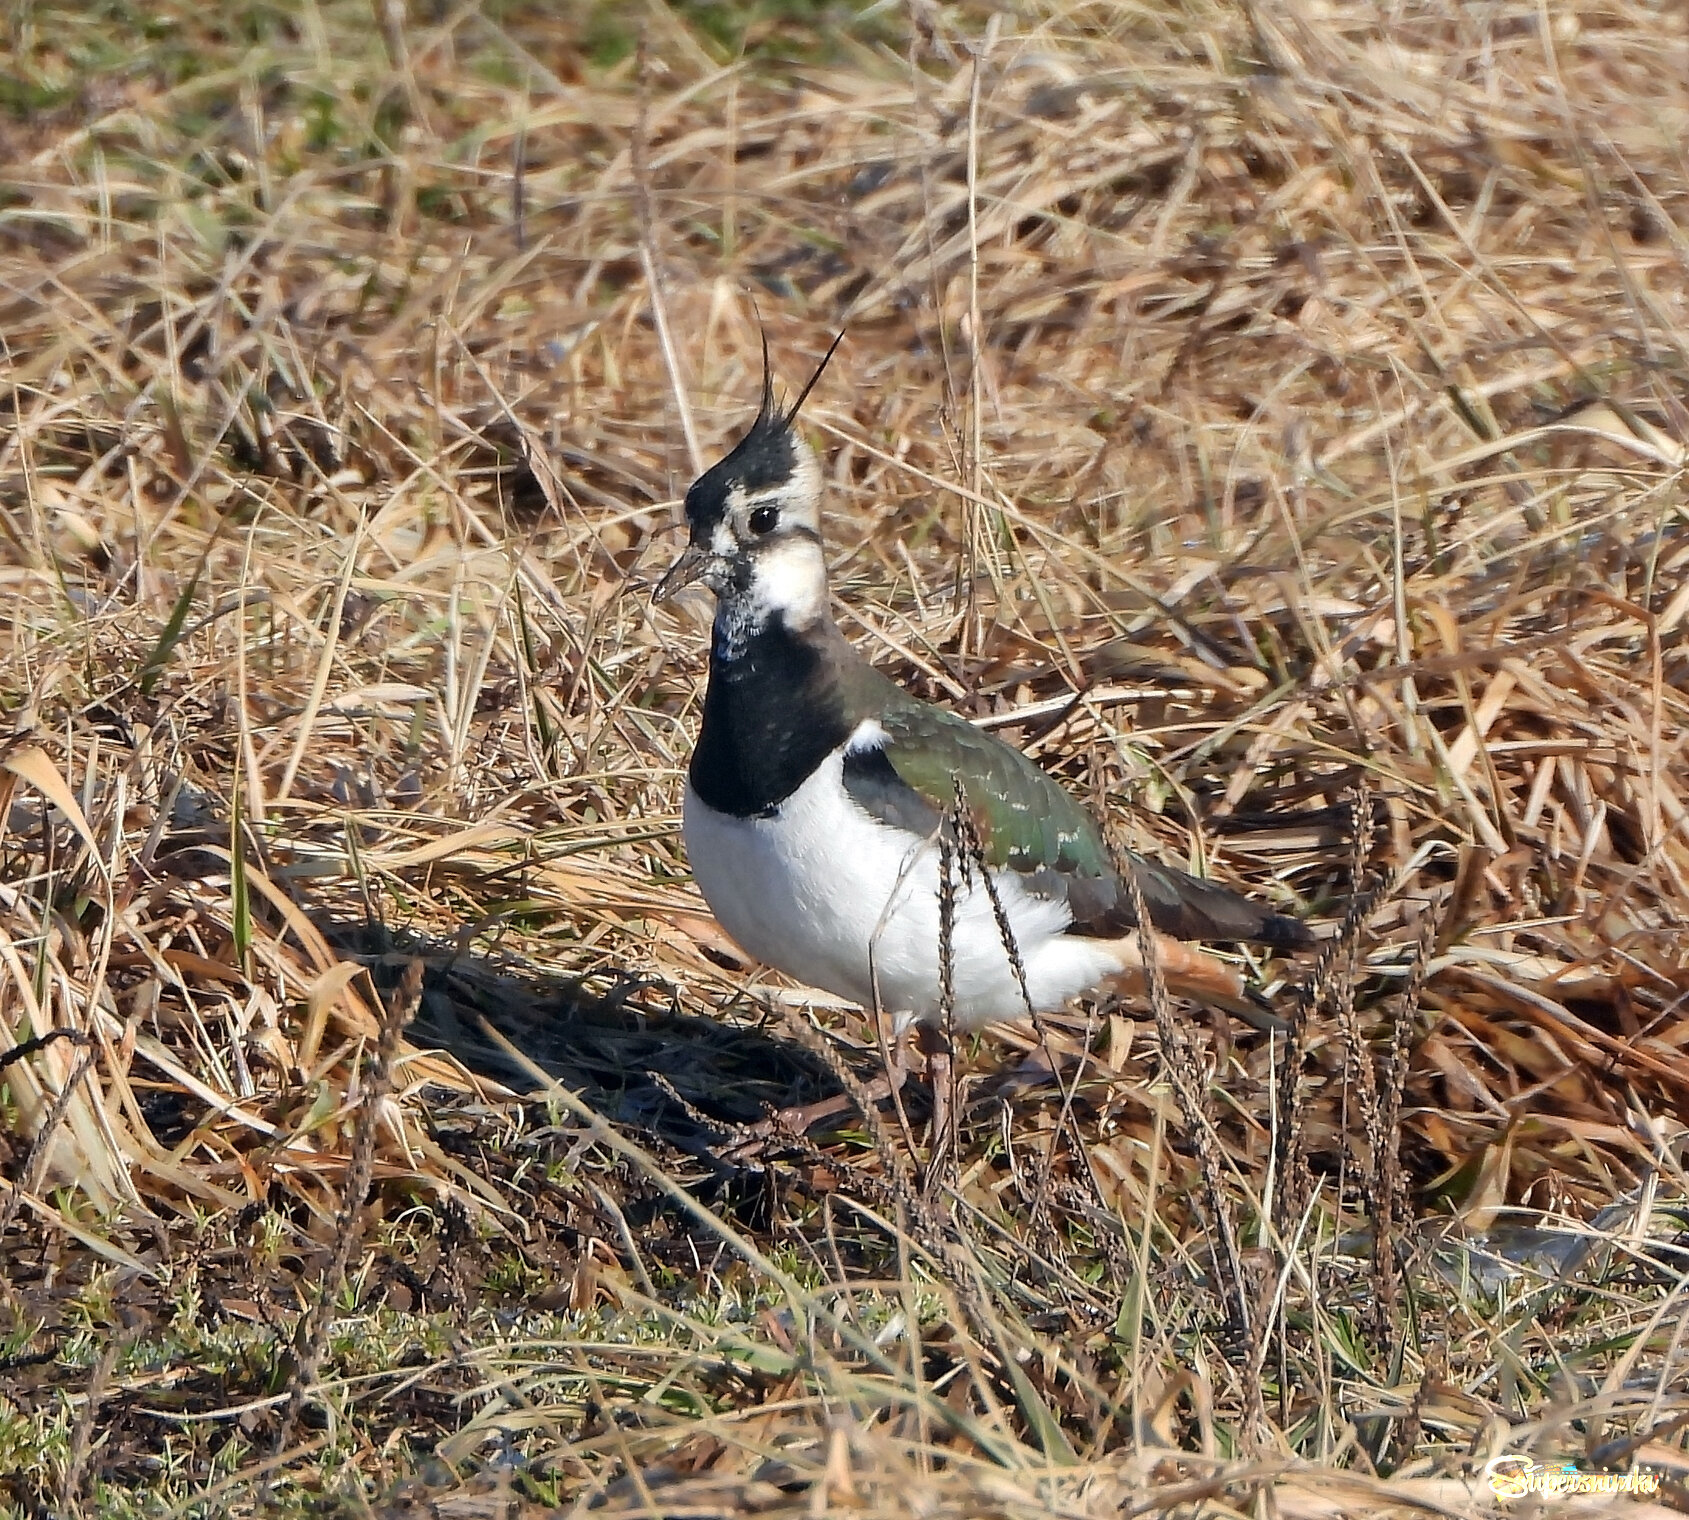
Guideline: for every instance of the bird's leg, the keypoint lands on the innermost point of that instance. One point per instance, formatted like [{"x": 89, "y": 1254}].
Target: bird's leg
[
  {"x": 892, "y": 1049},
  {"x": 890, "y": 1035},
  {"x": 935, "y": 1039},
  {"x": 938, "y": 1048}
]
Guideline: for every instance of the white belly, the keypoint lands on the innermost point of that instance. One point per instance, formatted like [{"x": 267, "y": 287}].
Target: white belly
[{"x": 833, "y": 897}]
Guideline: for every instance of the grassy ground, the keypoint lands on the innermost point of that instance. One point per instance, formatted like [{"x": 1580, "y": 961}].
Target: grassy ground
[{"x": 1271, "y": 417}]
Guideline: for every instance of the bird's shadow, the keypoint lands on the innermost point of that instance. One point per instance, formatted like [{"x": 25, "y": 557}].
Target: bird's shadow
[{"x": 623, "y": 1047}]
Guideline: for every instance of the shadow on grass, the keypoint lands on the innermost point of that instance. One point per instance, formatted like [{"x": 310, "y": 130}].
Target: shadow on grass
[{"x": 690, "y": 1082}]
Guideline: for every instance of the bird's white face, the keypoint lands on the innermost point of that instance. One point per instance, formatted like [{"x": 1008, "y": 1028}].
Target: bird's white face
[
  {"x": 756, "y": 536},
  {"x": 759, "y": 511},
  {"x": 765, "y": 554}
]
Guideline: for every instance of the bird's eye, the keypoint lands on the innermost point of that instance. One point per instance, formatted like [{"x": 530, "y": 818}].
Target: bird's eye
[{"x": 763, "y": 519}]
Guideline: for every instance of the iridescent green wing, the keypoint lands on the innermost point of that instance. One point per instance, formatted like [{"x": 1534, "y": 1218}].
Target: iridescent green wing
[
  {"x": 1026, "y": 820},
  {"x": 1028, "y": 823}
]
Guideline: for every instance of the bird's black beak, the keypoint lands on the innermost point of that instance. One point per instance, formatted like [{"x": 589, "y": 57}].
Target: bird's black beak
[{"x": 694, "y": 561}]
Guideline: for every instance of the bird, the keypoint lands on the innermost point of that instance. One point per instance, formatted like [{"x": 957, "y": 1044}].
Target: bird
[{"x": 823, "y": 801}]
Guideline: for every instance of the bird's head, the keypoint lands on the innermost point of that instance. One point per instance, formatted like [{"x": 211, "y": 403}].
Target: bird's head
[{"x": 755, "y": 521}]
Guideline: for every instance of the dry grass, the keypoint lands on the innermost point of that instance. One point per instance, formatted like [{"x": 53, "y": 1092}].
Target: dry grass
[{"x": 1241, "y": 407}]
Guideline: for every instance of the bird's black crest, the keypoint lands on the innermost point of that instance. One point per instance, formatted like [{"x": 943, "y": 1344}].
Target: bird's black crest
[{"x": 763, "y": 458}]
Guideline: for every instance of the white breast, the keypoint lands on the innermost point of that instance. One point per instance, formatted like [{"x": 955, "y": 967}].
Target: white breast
[{"x": 830, "y": 895}]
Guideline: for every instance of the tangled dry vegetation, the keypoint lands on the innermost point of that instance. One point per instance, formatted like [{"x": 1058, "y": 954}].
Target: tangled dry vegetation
[{"x": 1271, "y": 416}]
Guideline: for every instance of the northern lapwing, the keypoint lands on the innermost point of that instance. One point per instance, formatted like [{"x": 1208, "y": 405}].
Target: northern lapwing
[{"x": 820, "y": 794}]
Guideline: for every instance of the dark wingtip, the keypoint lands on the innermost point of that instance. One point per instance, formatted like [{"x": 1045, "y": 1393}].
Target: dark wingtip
[
  {"x": 1260, "y": 1014},
  {"x": 1283, "y": 933}
]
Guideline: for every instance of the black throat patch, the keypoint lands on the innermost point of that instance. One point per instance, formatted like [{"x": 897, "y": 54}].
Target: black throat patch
[{"x": 772, "y": 713}]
